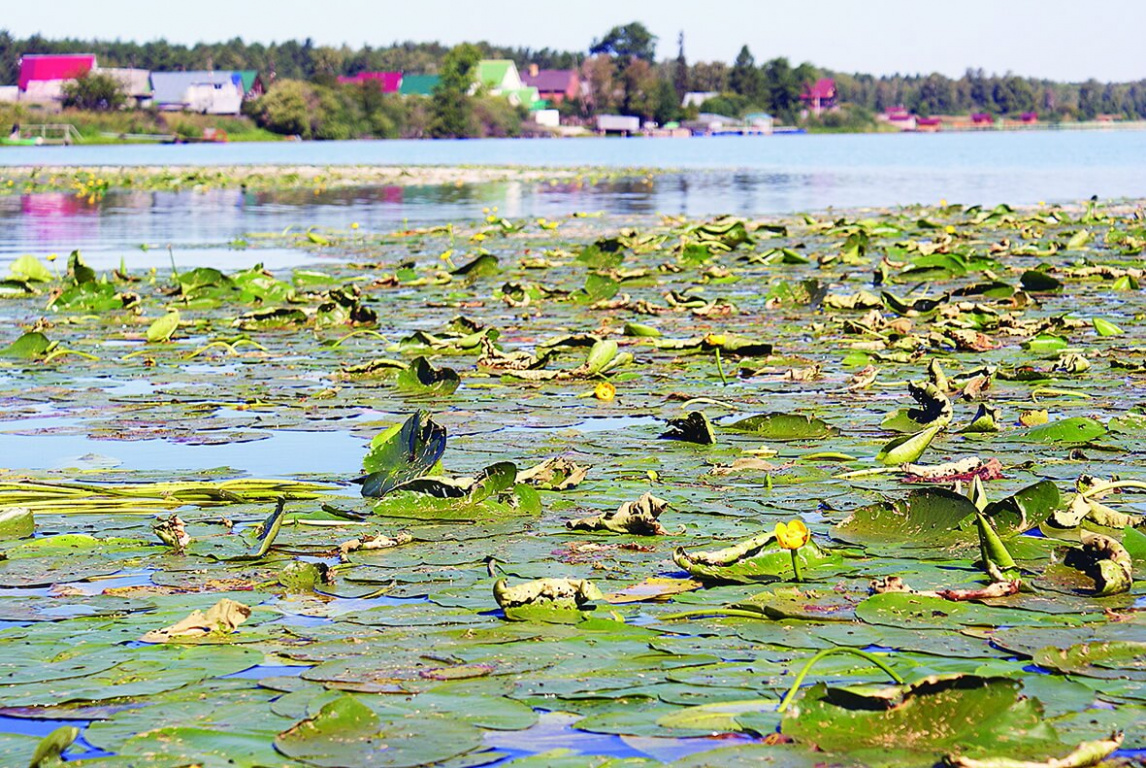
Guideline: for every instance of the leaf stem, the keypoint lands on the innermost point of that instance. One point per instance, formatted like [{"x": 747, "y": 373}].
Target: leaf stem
[
  {"x": 1112, "y": 486},
  {"x": 795, "y": 565},
  {"x": 696, "y": 613},
  {"x": 720, "y": 367},
  {"x": 791, "y": 694}
]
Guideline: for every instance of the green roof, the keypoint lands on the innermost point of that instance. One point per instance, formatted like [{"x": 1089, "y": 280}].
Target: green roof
[
  {"x": 418, "y": 85},
  {"x": 492, "y": 72},
  {"x": 248, "y": 76}
]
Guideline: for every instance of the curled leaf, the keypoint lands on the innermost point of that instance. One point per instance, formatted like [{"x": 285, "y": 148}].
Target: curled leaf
[
  {"x": 692, "y": 428},
  {"x": 1105, "y": 560},
  {"x": 638, "y": 517},
  {"x": 560, "y": 593},
  {"x": 220, "y": 620}
]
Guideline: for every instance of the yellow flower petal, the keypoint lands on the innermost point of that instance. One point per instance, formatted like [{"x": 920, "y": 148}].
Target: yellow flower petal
[
  {"x": 792, "y": 535},
  {"x": 604, "y": 391}
]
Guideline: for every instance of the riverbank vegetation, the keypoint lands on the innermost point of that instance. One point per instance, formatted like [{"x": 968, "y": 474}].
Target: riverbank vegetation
[{"x": 620, "y": 72}]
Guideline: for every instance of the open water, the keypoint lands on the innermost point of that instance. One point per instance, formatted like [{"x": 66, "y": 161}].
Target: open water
[{"x": 750, "y": 176}]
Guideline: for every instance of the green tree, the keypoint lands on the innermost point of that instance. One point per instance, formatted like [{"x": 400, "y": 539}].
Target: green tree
[
  {"x": 452, "y": 103},
  {"x": 680, "y": 72},
  {"x": 95, "y": 91},
  {"x": 783, "y": 87},
  {"x": 632, "y": 41},
  {"x": 744, "y": 78},
  {"x": 287, "y": 108},
  {"x": 666, "y": 103}
]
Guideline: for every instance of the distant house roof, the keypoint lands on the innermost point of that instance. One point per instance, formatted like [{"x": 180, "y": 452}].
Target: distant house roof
[
  {"x": 41, "y": 67},
  {"x": 498, "y": 75},
  {"x": 171, "y": 87},
  {"x": 418, "y": 85},
  {"x": 823, "y": 89},
  {"x": 982, "y": 117},
  {"x": 388, "y": 82},
  {"x": 249, "y": 77},
  {"x": 696, "y": 98},
  {"x": 549, "y": 80},
  {"x": 134, "y": 82}
]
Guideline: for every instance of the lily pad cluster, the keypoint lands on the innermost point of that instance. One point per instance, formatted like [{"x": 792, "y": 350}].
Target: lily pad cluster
[{"x": 847, "y": 489}]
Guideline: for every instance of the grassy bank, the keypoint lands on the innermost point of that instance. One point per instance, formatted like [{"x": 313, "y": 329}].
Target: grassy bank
[{"x": 115, "y": 127}]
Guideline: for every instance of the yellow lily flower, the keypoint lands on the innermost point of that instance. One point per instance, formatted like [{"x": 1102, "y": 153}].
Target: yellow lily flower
[{"x": 792, "y": 535}]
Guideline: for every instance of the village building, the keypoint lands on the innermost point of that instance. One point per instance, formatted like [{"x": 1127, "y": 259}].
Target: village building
[
  {"x": 760, "y": 122},
  {"x": 42, "y": 76},
  {"x": 386, "y": 82},
  {"x": 206, "y": 92},
  {"x": 819, "y": 96},
  {"x": 697, "y": 98},
  {"x": 135, "y": 83},
  {"x": 500, "y": 78},
  {"x": 553, "y": 85},
  {"x": 418, "y": 85},
  {"x": 898, "y": 117}
]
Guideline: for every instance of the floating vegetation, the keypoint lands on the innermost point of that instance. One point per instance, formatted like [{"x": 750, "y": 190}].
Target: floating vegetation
[{"x": 850, "y": 489}]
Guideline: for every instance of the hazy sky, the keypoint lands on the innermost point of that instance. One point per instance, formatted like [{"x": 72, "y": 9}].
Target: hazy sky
[{"x": 1058, "y": 39}]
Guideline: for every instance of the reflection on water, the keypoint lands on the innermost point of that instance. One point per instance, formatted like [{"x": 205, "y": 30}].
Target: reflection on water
[{"x": 745, "y": 176}]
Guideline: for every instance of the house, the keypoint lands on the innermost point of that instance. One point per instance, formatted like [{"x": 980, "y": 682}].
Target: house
[
  {"x": 1029, "y": 118},
  {"x": 553, "y": 85},
  {"x": 498, "y": 76},
  {"x": 9, "y": 94},
  {"x": 927, "y": 124},
  {"x": 42, "y": 76},
  {"x": 135, "y": 83},
  {"x": 820, "y": 95},
  {"x": 760, "y": 122},
  {"x": 418, "y": 85},
  {"x": 711, "y": 124},
  {"x": 386, "y": 82},
  {"x": 982, "y": 120},
  {"x": 899, "y": 117},
  {"x": 697, "y": 98},
  {"x": 207, "y": 92}
]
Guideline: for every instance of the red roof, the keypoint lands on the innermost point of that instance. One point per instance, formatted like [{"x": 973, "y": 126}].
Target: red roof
[
  {"x": 823, "y": 89},
  {"x": 388, "y": 82},
  {"x": 54, "y": 67}
]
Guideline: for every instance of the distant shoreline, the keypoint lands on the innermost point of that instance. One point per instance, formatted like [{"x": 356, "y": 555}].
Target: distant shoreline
[{"x": 15, "y": 179}]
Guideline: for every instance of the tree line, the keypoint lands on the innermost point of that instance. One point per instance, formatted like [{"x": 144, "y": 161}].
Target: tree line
[{"x": 620, "y": 72}]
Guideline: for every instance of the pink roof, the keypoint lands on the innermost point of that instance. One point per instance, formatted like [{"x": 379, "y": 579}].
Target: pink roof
[
  {"x": 54, "y": 67},
  {"x": 388, "y": 82},
  {"x": 824, "y": 88}
]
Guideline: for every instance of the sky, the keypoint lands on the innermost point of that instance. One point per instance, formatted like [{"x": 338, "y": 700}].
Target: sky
[{"x": 1067, "y": 40}]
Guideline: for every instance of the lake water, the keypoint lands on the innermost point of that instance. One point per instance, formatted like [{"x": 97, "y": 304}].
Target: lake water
[{"x": 749, "y": 176}]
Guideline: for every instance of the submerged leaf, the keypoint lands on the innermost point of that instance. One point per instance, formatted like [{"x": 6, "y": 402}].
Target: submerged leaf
[{"x": 784, "y": 427}]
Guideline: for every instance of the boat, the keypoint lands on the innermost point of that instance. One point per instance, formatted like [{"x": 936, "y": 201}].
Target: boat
[{"x": 10, "y": 142}]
